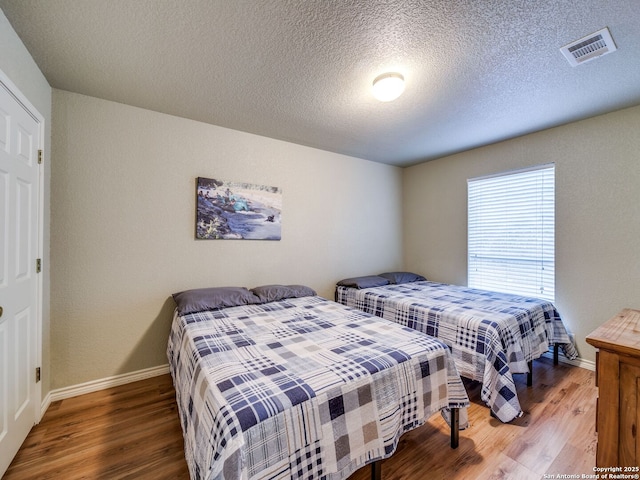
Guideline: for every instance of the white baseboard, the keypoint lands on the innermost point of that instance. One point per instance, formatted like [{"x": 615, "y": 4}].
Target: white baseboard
[
  {"x": 101, "y": 384},
  {"x": 578, "y": 362},
  {"x": 44, "y": 406}
]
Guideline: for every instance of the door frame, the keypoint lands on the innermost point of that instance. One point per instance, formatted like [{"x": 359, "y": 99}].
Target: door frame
[{"x": 14, "y": 91}]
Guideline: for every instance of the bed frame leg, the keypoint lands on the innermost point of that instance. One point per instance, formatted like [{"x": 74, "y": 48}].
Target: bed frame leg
[
  {"x": 555, "y": 353},
  {"x": 455, "y": 427},
  {"x": 376, "y": 470},
  {"x": 530, "y": 374},
  {"x": 376, "y": 467}
]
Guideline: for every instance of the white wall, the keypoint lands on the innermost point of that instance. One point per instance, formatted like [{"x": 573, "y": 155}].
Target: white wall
[
  {"x": 597, "y": 214},
  {"x": 123, "y": 210},
  {"x": 17, "y": 64}
]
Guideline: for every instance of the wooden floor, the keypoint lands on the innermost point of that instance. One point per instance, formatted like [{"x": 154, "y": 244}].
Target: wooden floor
[{"x": 133, "y": 431}]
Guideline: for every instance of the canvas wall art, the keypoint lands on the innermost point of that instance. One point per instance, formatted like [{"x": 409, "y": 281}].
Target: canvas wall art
[{"x": 235, "y": 210}]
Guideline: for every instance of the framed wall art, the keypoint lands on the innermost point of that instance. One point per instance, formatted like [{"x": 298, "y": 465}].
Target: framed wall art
[{"x": 239, "y": 211}]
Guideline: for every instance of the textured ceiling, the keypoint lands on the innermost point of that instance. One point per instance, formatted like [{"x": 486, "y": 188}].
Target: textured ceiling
[{"x": 477, "y": 71}]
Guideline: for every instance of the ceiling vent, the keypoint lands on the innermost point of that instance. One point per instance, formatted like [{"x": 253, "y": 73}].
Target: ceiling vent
[{"x": 589, "y": 47}]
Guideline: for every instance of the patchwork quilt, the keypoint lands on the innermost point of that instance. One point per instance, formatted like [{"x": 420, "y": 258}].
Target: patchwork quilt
[
  {"x": 302, "y": 388},
  {"x": 491, "y": 335}
]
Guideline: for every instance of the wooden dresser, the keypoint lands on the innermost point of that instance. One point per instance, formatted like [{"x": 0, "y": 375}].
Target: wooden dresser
[{"x": 618, "y": 381}]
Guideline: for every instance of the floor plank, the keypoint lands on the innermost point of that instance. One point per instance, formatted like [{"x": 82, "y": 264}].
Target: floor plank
[{"x": 133, "y": 432}]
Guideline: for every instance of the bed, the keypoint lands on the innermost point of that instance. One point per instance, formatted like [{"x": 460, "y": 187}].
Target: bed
[
  {"x": 277, "y": 383},
  {"x": 491, "y": 335}
]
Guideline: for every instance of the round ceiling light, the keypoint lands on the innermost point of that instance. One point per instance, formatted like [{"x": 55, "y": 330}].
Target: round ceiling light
[{"x": 388, "y": 86}]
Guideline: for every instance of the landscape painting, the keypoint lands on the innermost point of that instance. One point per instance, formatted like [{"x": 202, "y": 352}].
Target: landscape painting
[{"x": 239, "y": 211}]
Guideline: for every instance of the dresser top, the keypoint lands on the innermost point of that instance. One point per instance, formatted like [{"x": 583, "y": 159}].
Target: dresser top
[{"x": 621, "y": 333}]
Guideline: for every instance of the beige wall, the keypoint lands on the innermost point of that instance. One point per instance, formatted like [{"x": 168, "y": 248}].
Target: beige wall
[
  {"x": 597, "y": 214},
  {"x": 17, "y": 64},
  {"x": 123, "y": 209}
]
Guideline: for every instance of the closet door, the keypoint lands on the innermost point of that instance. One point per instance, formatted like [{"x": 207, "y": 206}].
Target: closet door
[{"x": 19, "y": 282}]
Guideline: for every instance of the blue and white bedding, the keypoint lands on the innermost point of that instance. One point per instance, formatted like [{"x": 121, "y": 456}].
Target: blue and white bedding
[
  {"x": 491, "y": 335},
  {"x": 302, "y": 388}
]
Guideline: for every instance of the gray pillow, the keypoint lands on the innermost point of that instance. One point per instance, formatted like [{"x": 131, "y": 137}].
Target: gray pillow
[
  {"x": 402, "y": 277},
  {"x": 203, "y": 299},
  {"x": 364, "y": 282},
  {"x": 273, "y": 293}
]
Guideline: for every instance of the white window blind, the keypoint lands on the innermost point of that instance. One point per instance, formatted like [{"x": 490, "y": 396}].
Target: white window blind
[{"x": 511, "y": 231}]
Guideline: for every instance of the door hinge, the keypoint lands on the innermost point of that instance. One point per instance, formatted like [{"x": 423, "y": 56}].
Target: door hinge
[
  {"x": 38, "y": 265},
  {"x": 39, "y": 156},
  {"x": 37, "y": 374}
]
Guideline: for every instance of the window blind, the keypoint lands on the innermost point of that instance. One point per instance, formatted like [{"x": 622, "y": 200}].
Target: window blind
[{"x": 511, "y": 230}]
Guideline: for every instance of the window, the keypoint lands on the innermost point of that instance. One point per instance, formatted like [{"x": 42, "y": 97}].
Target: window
[{"x": 511, "y": 230}]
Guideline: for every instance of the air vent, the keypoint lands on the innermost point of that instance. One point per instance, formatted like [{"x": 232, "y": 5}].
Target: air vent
[{"x": 589, "y": 47}]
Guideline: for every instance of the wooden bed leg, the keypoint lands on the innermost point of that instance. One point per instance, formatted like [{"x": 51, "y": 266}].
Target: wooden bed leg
[
  {"x": 555, "y": 353},
  {"x": 530, "y": 374},
  {"x": 455, "y": 427},
  {"x": 376, "y": 470}
]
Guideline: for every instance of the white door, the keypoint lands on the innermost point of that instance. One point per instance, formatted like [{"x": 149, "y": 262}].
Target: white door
[{"x": 19, "y": 283}]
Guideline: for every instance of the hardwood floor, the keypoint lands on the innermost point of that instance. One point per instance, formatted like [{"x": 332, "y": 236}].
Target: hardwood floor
[
  {"x": 130, "y": 431},
  {"x": 133, "y": 431}
]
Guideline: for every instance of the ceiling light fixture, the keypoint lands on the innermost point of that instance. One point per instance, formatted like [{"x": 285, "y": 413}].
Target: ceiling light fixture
[{"x": 388, "y": 86}]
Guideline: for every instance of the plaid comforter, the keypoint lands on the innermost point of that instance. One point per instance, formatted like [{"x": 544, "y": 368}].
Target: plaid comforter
[
  {"x": 302, "y": 388},
  {"x": 491, "y": 335}
]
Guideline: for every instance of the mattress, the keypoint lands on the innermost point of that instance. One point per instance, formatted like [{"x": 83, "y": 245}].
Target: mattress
[{"x": 302, "y": 388}]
